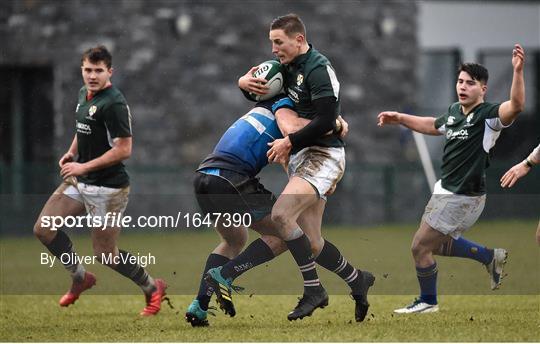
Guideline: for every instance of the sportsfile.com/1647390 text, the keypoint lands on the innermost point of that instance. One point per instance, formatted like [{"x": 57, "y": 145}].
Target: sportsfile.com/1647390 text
[{"x": 117, "y": 220}]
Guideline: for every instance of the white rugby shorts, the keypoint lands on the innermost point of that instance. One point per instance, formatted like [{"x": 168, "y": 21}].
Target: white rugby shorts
[
  {"x": 97, "y": 200},
  {"x": 452, "y": 214},
  {"x": 322, "y": 167}
]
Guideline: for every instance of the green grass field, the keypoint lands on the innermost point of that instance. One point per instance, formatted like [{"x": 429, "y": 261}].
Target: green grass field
[
  {"x": 469, "y": 310},
  {"x": 263, "y": 318}
]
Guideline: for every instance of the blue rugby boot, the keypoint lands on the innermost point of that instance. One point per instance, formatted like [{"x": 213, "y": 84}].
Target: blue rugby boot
[
  {"x": 223, "y": 288},
  {"x": 196, "y": 316}
]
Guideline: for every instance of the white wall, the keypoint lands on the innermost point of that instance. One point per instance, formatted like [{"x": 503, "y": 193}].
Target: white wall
[{"x": 471, "y": 26}]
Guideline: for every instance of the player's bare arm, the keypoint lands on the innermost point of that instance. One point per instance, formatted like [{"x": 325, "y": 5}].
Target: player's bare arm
[
  {"x": 119, "y": 152},
  {"x": 509, "y": 110},
  {"x": 249, "y": 83},
  {"x": 512, "y": 175},
  {"x": 521, "y": 169},
  {"x": 324, "y": 122},
  {"x": 423, "y": 125},
  {"x": 279, "y": 150},
  {"x": 342, "y": 127},
  {"x": 70, "y": 154},
  {"x": 288, "y": 123}
]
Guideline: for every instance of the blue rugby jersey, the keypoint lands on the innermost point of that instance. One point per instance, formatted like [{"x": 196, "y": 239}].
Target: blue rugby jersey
[{"x": 243, "y": 147}]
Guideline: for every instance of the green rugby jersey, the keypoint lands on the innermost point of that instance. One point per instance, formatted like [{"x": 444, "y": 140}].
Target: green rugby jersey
[
  {"x": 469, "y": 138},
  {"x": 98, "y": 121},
  {"x": 308, "y": 77}
]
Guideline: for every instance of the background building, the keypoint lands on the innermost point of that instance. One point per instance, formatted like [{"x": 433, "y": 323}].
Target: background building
[{"x": 178, "y": 62}]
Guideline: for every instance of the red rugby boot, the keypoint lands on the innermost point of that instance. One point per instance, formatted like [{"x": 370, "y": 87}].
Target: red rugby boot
[
  {"x": 77, "y": 288},
  {"x": 153, "y": 301}
]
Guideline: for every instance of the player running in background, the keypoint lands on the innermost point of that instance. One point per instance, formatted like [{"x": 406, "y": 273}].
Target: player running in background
[
  {"x": 471, "y": 127},
  {"x": 97, "y": 183},
  {"x": 520, "y": 170},
  {"x": 316, "y": 164}
]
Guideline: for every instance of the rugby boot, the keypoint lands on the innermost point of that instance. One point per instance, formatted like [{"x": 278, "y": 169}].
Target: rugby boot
[
  {"x": 308, "y": 303},
  {"x": 361, "y": 303},
  {"x": 153, "y": 301},
  {"x": 223, "y": 288},
  {"x": 418, "y": 306},
  {"x": 495, "y": 268},
  {"x": 196, "y": 316},
  {"x": 77, "y": 287}
]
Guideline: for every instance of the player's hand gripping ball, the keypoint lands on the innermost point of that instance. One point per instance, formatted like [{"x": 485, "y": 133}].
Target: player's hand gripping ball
[{"x": 271, "y": 72}]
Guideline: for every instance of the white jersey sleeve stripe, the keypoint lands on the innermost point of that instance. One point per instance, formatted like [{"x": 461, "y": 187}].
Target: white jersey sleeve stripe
[
  {"x": 492, "y": 131},
  {"x": 333, "y": 80},
  {"x": 442, "y": 129}
]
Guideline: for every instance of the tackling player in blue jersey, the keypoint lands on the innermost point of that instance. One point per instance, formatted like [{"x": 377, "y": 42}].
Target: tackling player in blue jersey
[
  {"x": 243, "y": 147},
  {"x": 226, "y": 183}
]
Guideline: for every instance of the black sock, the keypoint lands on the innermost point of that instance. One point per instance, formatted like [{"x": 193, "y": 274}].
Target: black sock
[
  {"x": 331, "y": 259},
  {"x": 62, "y": 245},
  {"x": 205, "y": 291},
  {"x": 255, "y": 254},
  {"x": 134, "y": 272},
  {"x": 301, "y": 252}
]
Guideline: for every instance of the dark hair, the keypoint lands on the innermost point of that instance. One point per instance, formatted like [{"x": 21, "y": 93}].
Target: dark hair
[
  {"x": 290, "y": 24},
  {"x": 475, "y": 70},
  {"x": 98, "y": 54}
]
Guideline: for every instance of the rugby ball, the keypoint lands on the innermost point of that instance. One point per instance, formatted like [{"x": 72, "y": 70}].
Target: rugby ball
[{"x": 271, "y": 72}]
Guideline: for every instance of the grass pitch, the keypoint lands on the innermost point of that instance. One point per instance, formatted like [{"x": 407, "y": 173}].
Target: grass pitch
[
  {"x": 263, "y": 318},
  {"x": 469, "y": 311}
]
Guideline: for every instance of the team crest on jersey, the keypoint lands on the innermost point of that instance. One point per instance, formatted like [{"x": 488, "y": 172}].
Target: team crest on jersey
[
  {"x": 92, "y": 110},
  {"x": 299, "y": 79},
  {"x": 450, "y": 120}
]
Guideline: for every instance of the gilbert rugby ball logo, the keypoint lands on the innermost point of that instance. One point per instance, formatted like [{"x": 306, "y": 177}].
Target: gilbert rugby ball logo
[
  {"x": 299, "y": 79},
  {"x": 92, "y": 110},
  {"x": 470, "y": 117}
]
